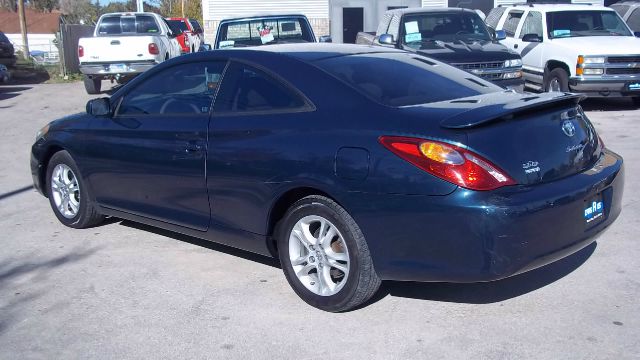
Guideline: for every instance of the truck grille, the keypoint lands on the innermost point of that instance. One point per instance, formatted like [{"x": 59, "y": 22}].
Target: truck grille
[
  {"x": 623, "y": 59},
  {"x": 479, "y": 69},
  {"x": 623, "y": 71}
]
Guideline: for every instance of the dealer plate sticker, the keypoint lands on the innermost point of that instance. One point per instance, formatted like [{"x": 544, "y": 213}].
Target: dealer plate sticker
[
  {"x": 118, "y": 67},
  {"x": 594, "y": 210},
  {"x": 634, "y": 86}
]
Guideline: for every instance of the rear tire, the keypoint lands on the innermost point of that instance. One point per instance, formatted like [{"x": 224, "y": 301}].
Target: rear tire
[
  {"x": 92, "y": 85},
  {"x": 333, "y": 268},
  {"x": 636, "y": 101},
  {"x": 557, "y": 80},
  {"x": 68, "y": 194}
]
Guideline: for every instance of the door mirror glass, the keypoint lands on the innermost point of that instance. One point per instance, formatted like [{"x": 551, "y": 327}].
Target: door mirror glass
[
  {"x": 386, "y": 39},
  {"x": 205, "y": 47},
  {"x": 325, "y": 39},
  {"x": 531, "y": 38},
  {"x": 99, "y": 107},
  {"x": 500, "y": 35}
]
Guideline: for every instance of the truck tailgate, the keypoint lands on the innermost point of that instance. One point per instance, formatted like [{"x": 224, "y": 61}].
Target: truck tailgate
[{"x": 106, "y": 49}]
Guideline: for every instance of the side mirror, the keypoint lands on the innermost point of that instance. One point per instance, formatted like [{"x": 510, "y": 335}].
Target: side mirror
[
  {"x": 500, "y": 35},
  {"x": 531, "y": 38},
  {"x": 636, "y": 33},
  {"x": 325, "y": 39},
  {"x": 386, "y": 39},
  {"x": 99, "y": 107},
  {"x": 204, "y": 47}
]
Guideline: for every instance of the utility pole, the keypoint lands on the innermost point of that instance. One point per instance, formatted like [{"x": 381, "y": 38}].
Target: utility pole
[
  {"x": 140, "y": 6},
  {"x": 182, "y": 8},
  {"x": 23, "y": 29}
]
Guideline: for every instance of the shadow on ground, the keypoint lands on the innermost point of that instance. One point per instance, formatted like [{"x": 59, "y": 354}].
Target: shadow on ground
[
  {"x": 488, "y": 292},
  {"x": 608, "y": 104},
  {"x": 16, "y": 295},
  {"x": 8, "y": 92},
  {"x": 474, "y": 293},
  {"x": 16, "y": 192},
  {"x": 264, "y": 260}
]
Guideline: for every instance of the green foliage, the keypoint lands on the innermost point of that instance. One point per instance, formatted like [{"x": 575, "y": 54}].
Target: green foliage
[{"x": 44, "y": 5}]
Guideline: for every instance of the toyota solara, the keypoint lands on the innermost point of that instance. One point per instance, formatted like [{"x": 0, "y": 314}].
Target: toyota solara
[{"x": 351, "y": 164}]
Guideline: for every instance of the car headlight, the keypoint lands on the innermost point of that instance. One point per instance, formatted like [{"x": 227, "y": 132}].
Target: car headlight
[
  {"x": 513, "y": 63},
  {"x": 594, "y": 60},
  {"x": 592, "y": 71},
  {"x": 42, "y": 132},
  {"x": 512, "y": 75}
]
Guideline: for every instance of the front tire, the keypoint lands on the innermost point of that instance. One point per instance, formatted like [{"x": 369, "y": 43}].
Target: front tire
[
  {"x": 92, "y": 85},
  {"x": 557, "y": 80},
  {"x": 68, "y": 195},
  {"x": 324, "y": 255}
]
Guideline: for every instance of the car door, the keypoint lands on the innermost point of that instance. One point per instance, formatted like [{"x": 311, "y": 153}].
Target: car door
[
  {"x": 531, "y": 51},
  {"x": 149, "y": 159},
  {"x": 256, "y": 122}
]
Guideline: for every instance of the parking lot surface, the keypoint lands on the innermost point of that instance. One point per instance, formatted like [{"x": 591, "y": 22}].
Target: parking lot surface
[{"x": 123, "y": 290}]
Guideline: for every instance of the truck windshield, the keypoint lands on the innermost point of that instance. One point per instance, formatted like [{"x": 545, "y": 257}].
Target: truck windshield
[
  {"x": 127, "y": 24},
  {"x": 420, "y": 28},
  {"x": 400, "y": 79},
  {"x": 585, "y": 23},
  {"x": 263, "y": 32}
]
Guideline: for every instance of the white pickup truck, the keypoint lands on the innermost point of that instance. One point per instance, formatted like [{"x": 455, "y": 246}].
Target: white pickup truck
[
  {"x": 580, "y": 48},
  {"x": 123, "y": 46}
]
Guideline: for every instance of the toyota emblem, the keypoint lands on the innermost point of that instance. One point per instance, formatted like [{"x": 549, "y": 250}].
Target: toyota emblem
[{"x": 568, "y": 128}]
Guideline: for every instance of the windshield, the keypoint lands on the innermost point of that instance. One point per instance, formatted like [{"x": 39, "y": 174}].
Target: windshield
[
  {"x": 127, "y": 24},
  {"x": 178, "y": 25},
  {"x": 449, "y": 27},
  {"x": 399, "y": 79},
  {"x": 263, "y": 32},
  {"x": 562, "y": 24}
]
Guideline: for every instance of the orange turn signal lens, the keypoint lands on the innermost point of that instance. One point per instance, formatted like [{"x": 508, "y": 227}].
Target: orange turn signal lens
[
  {"x": 580, "y": 60},
  {"x": 441, "y": 153}
]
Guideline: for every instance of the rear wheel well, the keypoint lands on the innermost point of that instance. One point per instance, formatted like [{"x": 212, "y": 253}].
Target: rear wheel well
[
  {"x": 280, "y": 208},
  {"x": 45, "y": 164}
]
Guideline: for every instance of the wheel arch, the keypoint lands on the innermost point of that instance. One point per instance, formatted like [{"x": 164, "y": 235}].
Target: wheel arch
[
  {"x": 280, "y": 207},
  {"x": 42, "y": 174},
  {"x": 554, "y": 64}
]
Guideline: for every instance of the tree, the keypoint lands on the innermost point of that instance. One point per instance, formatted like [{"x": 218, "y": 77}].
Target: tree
[
  {"x": 173, "y": 8},
  {"x": 78, "y": 11},
  {"x": 11, "y": 5},
  {"x": 44, "y": 5}
]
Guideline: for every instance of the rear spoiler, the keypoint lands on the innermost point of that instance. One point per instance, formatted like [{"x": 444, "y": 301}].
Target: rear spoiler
[{"x": 505, "y": 110}]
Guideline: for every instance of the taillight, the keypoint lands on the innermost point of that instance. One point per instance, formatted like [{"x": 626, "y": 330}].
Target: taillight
[
  {"x": 153, "y": 49},
  {"x": 80, "y": 51},
  {"x": 448, "y": 162}
]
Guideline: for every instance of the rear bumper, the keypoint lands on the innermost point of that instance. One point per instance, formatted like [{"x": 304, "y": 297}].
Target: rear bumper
[
  {"x": 105, "y": 69},
  {"x": 473, "y": 236},
  {"x": 604, "y": 87}
]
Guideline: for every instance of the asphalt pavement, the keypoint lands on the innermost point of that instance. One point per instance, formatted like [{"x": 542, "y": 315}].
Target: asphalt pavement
[{"x": 127, "y": 291}]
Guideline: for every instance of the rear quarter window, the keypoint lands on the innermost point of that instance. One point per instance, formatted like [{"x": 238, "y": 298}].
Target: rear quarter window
[{"x": 398, "y": 79}]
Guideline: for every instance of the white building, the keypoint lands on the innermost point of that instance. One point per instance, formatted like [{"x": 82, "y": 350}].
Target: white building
[{"x": 342, "y": 19}]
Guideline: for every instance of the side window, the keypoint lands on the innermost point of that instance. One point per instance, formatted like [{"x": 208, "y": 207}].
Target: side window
[
  {"x": 186, "y": 89},
  {"x": 511, "y": 24},
  {"x": 494, "y": 16},
  {"x": 394, "y": 26},
  {"x": 246, "y": 89},
  {"x": 532, "y": 24}
]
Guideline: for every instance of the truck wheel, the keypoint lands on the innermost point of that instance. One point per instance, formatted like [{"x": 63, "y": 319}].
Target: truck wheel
[
  {"x": 324, "y": 255},
  {"x": 557, "y": 80},
  {"x": 92, "y": 85},
  {"x": 636, "y": 101}
]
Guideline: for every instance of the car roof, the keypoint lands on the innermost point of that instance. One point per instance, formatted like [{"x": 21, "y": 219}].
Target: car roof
[
  {"x": 560, "y": 7},
  {"x": 262, "y": 15},
  {"x": 310, "y": 52},
  {"x": 429, "y": 10}
]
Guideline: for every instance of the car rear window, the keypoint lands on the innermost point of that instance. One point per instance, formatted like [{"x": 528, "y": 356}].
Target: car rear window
[
  {"x": 178, "y": 24},
  {"x": 399, "y": 79},
  {"x": 263, "y": 32},
  {"x": 128, "y": 24}
]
